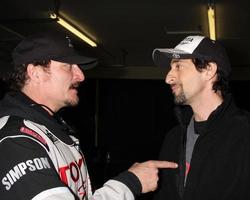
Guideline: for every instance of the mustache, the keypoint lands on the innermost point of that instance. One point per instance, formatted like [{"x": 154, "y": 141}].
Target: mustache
[
  {"x": 173, "y": 85},
  {"x": 74, "y": 85}
]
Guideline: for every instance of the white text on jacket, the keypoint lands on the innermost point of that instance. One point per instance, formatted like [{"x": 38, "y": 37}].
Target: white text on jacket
[{"x": 21, "y": 169}]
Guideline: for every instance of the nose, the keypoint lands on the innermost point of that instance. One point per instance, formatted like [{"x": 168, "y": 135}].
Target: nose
[
  {"x": 78, "y": 73},
  {"x": 170, "y": 77}
]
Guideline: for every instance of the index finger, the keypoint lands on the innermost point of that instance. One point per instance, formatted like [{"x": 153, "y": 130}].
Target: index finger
[{"x": 164, "y": 164}]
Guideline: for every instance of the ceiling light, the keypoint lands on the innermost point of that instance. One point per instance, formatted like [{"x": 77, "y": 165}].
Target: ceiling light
[
  {"x": 211, "y": 22},
  {"x": 66, "y": 25}
]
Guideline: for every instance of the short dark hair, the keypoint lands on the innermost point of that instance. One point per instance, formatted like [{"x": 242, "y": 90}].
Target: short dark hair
[
  {"x": 221, "y": 83},
  {"x": 18, "y": 77}
]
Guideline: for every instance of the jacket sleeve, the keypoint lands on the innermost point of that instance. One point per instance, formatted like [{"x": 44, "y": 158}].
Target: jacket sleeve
[
  {"x": 125, "y": 186},
  {"x": 113, "y": 190}
]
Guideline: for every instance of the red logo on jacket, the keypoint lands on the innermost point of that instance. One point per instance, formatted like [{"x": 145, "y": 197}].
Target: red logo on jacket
[{"x": 33, "y": 134}]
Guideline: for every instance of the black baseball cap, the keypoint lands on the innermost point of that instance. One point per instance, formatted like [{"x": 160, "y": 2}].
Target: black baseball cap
[
  {"x": 57, "y": 47},
  {"x": 196, "y": 46}
]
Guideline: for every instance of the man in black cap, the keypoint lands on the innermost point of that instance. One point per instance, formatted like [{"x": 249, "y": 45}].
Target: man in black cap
[
  {"x": 211, "y": 144},
  {"x": 40, "y": 159}
]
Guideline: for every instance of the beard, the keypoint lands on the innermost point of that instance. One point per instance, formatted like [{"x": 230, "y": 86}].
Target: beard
[
  {"x": 180, "y": 99},
  {"x": 73, "y": 100},
  {"x": 72, "y": 103}
]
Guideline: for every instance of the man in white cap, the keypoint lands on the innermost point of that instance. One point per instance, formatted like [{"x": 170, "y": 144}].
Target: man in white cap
[
  {"x": 211, "y": 144},
  {"x": 40, "y": 159}
]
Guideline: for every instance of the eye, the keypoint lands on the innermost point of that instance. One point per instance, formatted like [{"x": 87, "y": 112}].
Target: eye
[
  {"x": 178, "y": 66},
  {"x": 67, "y": 67}
]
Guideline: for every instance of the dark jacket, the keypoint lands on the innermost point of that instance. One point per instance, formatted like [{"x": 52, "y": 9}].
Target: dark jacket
[{"x": 220, "y": 164}]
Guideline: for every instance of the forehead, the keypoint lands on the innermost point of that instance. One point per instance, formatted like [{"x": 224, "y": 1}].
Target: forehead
[
  {"x": 59, "y": 63},
  {"x": 181, "y": 61}
]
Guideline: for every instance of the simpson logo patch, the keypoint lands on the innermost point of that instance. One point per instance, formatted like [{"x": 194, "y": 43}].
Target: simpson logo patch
[
  {"x": 22, "y": 169},
  {"x": 33, "y": 134}
]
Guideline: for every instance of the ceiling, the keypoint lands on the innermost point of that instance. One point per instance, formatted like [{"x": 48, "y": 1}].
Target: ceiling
[{"x": 127, "y": 31}]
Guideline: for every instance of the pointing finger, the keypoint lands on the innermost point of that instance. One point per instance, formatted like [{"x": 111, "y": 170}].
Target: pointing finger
[{"x": 164, "y": 164}]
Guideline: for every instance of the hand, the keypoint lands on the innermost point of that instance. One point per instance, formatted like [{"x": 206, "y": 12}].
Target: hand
[{"x": 147, "y": 173}]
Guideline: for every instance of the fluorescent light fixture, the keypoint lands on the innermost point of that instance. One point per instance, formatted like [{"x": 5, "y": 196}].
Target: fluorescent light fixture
[
  {"x": 211, "y": 22},
  {"x": 66, "y": 25}
]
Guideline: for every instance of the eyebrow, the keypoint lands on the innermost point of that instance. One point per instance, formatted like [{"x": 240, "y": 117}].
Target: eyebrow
[
  {"x": 178, "y": 61},
  {"x": 175, "y": 61},
  {"x": 66, "y": 64}
]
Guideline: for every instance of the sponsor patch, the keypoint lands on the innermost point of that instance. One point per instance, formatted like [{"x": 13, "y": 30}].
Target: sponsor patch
[
  {"x": 22, "y": 169},
  {"x": 33, "y": 134}
]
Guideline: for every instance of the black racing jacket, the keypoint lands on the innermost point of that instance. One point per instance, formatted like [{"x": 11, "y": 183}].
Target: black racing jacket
[
  {"x": 220, "y": 164},
  {"x": 40, "y": 159}
]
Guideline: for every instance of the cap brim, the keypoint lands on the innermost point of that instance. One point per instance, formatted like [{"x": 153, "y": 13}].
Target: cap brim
[
  {"x": 83, "y": 61},
  {"x": 89, "y": 65},
  {"x": 162, "y": 57}
]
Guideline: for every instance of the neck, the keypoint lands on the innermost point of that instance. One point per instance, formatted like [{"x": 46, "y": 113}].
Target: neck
[
  {"x": 40, "y": 100},
  {"x": 205, "y": 105}
]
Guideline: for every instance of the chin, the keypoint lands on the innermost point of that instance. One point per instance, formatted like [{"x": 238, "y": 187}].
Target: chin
[
  {"x": 72, "y": 102},
  {"x": 180, "y": 100}
]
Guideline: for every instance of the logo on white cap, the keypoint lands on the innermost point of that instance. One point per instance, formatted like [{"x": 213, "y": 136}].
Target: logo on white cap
[
  {"x": 189, "y": 44},
  {"x": 176, "y": 56}
]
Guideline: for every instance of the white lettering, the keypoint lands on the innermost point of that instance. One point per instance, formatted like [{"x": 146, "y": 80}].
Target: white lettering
[
  {"x": 29, "y": 163},
  {"x": 9, "y": 178},
  {"x": 15, "y": 173},
  {"x": 6, "y": 183},
  {"x": 45, "y": 162},
  {"x": 22, "y": 168},
  {"x": 38, "y": 163}
]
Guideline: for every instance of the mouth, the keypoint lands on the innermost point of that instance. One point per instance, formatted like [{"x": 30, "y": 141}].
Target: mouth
[
  {"x": 173, "y": 87},
  {"x": 74, "y": 86}
]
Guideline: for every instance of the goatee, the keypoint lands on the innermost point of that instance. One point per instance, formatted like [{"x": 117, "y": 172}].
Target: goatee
[{"x": 180, "y": 99}]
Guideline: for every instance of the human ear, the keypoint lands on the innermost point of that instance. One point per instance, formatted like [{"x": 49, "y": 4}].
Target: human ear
[
  {"x": 33, "y": 72},
  {"x": 211, "y": 70}
]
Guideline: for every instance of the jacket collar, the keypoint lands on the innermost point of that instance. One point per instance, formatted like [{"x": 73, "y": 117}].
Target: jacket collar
[
  {"x": 18, "y": 104},
  {"x": 184, "y": 113}
]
